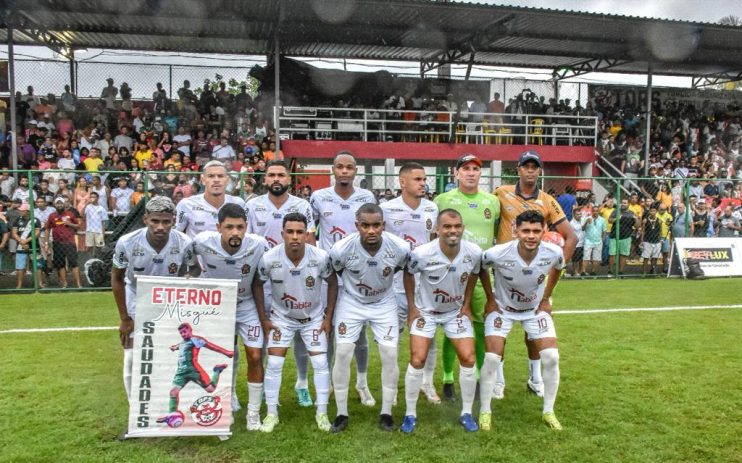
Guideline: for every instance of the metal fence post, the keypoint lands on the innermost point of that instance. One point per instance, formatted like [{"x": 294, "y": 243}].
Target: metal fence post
[
  {"x": 34, "y": 247},
  {"x": 616, "y": 225},
  {"x": 688, "y": 212}
]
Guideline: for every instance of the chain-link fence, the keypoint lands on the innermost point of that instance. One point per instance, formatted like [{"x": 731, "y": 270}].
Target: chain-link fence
[{"x": 624, "y": 227}]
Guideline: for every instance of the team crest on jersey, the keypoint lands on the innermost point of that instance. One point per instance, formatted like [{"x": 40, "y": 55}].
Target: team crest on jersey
[
  {"x": 309, "y": 281},
  {"x": 420, "y": 324},
  {"x": 172, "y": 268},
  {"x": 541, "y": 278},
  {"x": 387, "y": 271},
  {"x": 245, "y": 269},
  {"x": 276, "y": 336},
  {"x": 498, "y": 323},
  {"x": 487, "y": 213},
  {"x": 342, "y": 328},
  {"x": 464, "y": 278},
  {"x": 429, "y": 224}
]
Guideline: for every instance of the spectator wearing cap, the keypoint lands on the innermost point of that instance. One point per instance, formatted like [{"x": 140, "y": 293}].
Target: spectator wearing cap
[{"x": 62, "y": 226}]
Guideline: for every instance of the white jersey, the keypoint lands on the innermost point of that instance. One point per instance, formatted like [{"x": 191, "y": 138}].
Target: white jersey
[
  {"x": 337, "y": 216},
  {"x": 443, "y": 281},
  {"x": 135, "y": 254},
  {"x": 412, "y": 225},
  {"x": 241, "y": 266},
  {"x": 295, "y": 290},
  {"x": 519, "y": 288},
  {"x": 194, "y": 214},
  {"x": 368, "y": 279},
  {"x": 264, "y": 219}
]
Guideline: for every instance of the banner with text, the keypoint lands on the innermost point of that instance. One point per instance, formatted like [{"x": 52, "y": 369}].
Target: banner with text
[
  {"x": 718, "y": 257},
  {"x": 183, "y": 349},
  {"x": 708, "y": 100}
]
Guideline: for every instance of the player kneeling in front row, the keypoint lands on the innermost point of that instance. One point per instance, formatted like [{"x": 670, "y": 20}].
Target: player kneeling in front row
[
  {"x": 296, "y": 270},
  {"x": 521, "y": 294},
  {"x": 231, "y": 253},
  {"x": 449, "y": 269}
]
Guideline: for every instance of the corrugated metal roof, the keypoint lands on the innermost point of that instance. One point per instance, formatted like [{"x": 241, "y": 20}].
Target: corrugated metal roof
[{"x": 388, "y": 30}]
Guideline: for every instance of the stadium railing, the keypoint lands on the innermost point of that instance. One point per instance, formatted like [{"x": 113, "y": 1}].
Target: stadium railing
[{"x": 94, "y": 262}]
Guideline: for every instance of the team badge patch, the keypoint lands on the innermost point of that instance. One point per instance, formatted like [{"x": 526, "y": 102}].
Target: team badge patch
[
  {"x": 342, "y": 328},
  {"x": 541, "y": 278},
  {"x": 487, "y": 213},
  {"x": 498, "y": 323},
  {"x": 429, "y": 224},
  {"x": 245, "y": 269},
  {"x": 387, "y": 271},
  {"x": 420, "y": 324},
  {"x": 276, "y": 336},
  {"x": 309, "y": 282},
  {"x": 464, "y": 278},
  {"x": 172, "y": 268}
]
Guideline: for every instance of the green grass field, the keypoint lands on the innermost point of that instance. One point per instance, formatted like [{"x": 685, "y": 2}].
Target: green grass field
[{"x": 636, "y": 387}]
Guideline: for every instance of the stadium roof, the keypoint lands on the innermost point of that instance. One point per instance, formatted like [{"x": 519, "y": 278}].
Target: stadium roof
[{"x": 424, "y": 31}]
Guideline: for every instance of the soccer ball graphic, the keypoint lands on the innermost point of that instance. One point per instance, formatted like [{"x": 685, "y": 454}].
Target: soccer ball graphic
[{"x": 175, "y": 419}]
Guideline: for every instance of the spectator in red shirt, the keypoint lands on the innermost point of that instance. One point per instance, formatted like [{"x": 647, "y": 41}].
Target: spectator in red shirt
[{"x": 63, "y": 225}]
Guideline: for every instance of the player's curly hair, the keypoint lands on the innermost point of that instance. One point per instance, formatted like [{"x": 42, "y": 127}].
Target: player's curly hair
[
  {"x": 160, "y": 204},
  {"x": 529, "y": 216}
]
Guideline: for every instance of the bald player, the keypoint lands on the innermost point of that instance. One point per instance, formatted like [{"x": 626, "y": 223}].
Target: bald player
[{"x": 515, "y": 199}]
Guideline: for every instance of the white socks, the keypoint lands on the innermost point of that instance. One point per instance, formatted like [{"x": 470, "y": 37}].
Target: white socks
[
  {"x": 321, "y": 381},
  {"x": 273, "y": 372},
  {"x": 487, "y": 377},
  {"x": 429, "y": 368},
  {"x": 413, "y": 380},
  {"x": 128, "y": 365},
  {"x": 341, "y": 375},
  {"x": 550, "y": 362},
  {"x": 500, "y": 379},
  {"x": 534, "y": 370},
  {"x": 468, "y": 384},
  {"x": 302, "y": 361},
  {"x": 254, "y": 397},
  {"x": 389, "y": 377}
]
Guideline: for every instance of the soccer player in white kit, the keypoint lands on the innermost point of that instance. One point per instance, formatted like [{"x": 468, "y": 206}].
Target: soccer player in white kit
[
  {"x": 334, "y": 211},
  {"x": 296, "y": 271},
  {"x": 366, "y": 262},
  {"x": 449, "y": 269},
  {"x": 231, "y": 253},
  {"x": 413, "y": 218},
  {"x": 265, "y": 215},
  {"x": 526, "y": 270},
  {"x": 155, "y": 250},
  {"x": 200, "y": 213}
]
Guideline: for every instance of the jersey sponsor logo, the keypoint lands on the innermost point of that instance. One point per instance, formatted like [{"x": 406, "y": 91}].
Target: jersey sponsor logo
[
  {"x": 230, "y": 261},
  {"x": 473, "y": 205},
  {"x": 295, "y": 273},
  {"x": 345, "y": 207},
  {"x": 276, "y": 282},
  {"x": 199, "y": 224},
  {"x": 415, "y": 216},
  {"x": 158, "y": 260},
  {"x": 245, "y": 269},
  {"x": 372, "y": 263},
  {"x": 172, "y": 268},
  {"x": 327, "y": 214},
  {"x": 544, "y": 262},
  {"x": 399, "y": 223},
  {"x": 337, "y": 233},
  {"x": 175, "y": 250},
  {"x": 519, "y": 296},
  {"x": 292, "y": 303},
  {"x": 410, "y": 239},
  {"x": 442, "y": 297},
  {"x": 387, "y": 271},
  {"x": 309, "y": 282},
  {"x": 271, "y": 242},
  {"x": 342, "y": 328},
  {"x": 277, "y": 215},
  {"x": 137, "y": 252},
  {"x": 467, "y": 259},
  {"x": 312, "y": 263},
  {"x": 507, "y": 263},
  {"x": 276, "y": 265},
  {"x": 389, "y": 254},
  {"x": 260, "y": 224},
  {"x": 541, "y": 278},
  {"x": 487, "y": 213},
  {"x": 527, "y": 271},
  {"x": 260, "y": 209},
  {"x": 464, "y": 278},
  {"x": 428, "y": 224},
  {"x": 368, "y": 291}
]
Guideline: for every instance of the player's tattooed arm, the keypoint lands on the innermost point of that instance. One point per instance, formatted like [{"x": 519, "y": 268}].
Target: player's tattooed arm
[
  {"x": 408, "y": 280},
  {"x": 490, "y": 304},
  {"x": 126, "y": 326}
]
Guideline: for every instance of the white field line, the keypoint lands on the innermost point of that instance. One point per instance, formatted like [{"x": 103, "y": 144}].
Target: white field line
[{"x": 558, "y": 312}]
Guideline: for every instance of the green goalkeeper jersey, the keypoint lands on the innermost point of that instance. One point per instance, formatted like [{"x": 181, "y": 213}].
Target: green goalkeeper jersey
[{"x": 479, "y": 211}]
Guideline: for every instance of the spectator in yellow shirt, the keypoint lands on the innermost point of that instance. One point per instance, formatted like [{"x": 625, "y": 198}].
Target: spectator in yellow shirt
[
  {"x": 94, "y": 161},
  {"x": 143, "y": 153}
]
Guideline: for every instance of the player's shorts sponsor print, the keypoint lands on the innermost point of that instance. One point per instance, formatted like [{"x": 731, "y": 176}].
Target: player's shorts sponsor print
[
  {"x": 251, "y": 333},
  {"x": 541, "y": 325},
  {"x": 454, "y": 326}
]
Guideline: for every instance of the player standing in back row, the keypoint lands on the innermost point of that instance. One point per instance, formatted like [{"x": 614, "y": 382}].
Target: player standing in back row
[
  {"x": 413, "y": 218},
  {"x": 526, "y": 271},
  {"x": 335, "y": 215},
  {"x": 480, "y": 212}
]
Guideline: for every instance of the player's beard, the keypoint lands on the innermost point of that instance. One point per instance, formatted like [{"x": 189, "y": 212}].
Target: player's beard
[
  {"x": 234, "y": 242},
  {"x": 277, "y": 189}
]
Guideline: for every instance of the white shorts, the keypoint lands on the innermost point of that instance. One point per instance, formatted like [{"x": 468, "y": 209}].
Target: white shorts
[
  {"x": 651, "y": 250},
  {"x": 247, "y": 325},
  {"x": 540, "y": 326},
  {"x": 454, "y": 326},
  {"x": 402, "y": 309},
  {"x": 93, "y": 239},
  {"x": 284, "y": 331},
  {"x": 351, "y": 318},
  {"x": 592, "y": 253}
]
